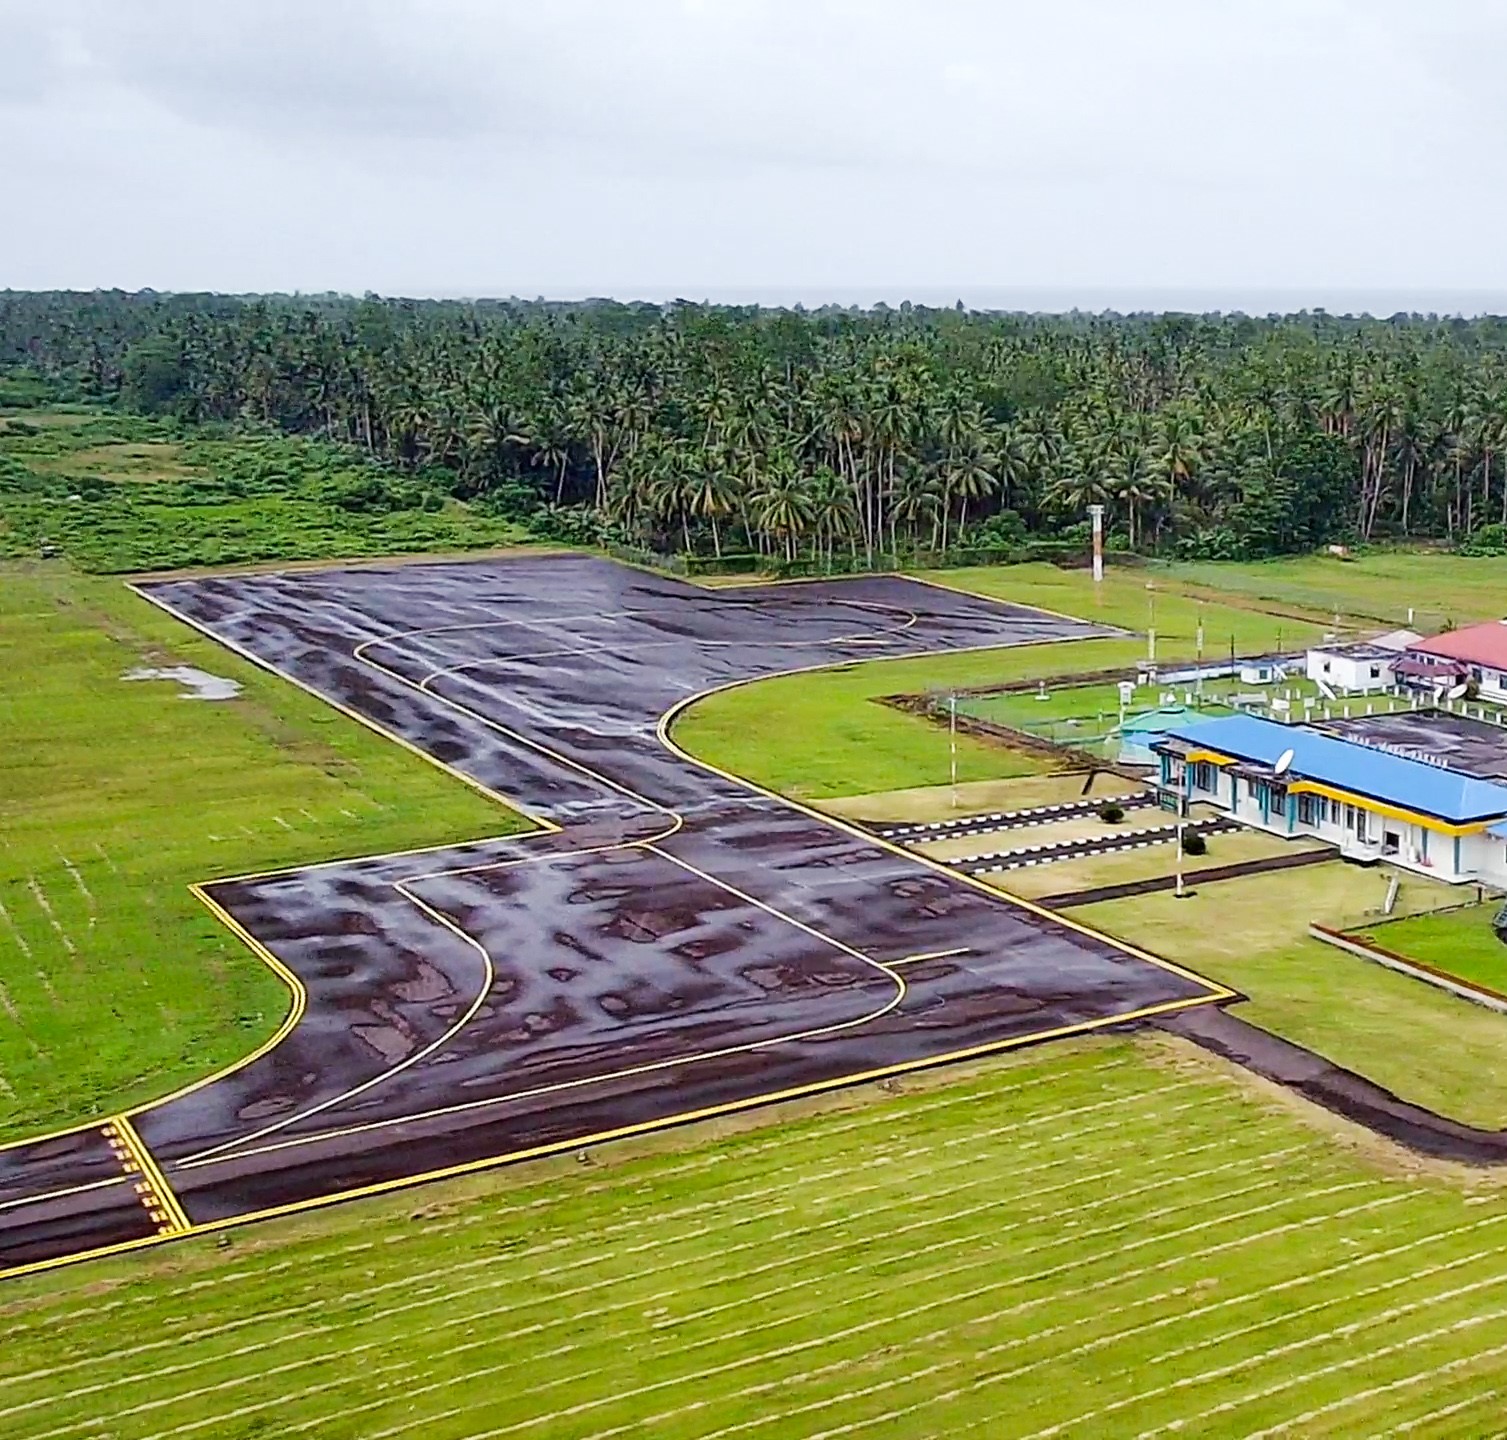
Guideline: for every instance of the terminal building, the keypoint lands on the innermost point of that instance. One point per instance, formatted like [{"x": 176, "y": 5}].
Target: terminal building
[{"x": 1372, "y": 803}]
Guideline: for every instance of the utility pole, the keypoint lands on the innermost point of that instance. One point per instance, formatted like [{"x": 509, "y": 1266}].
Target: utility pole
[
  {"x": 1198, "y": 642},
  {"x": 1151, "y": 625},
  {"x": 952, "y": 738}
]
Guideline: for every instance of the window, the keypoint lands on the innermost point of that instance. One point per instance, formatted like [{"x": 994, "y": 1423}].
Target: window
[
  {"x": 1203, "y": 776},
  {"x": 1376, "y": 672},
  {"x": 1308, "y": 809},
  {"x": 1326, "y": 667}
]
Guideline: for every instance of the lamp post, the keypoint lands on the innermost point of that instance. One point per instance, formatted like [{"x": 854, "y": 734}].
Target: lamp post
[{"x": 1198, "y": 643}]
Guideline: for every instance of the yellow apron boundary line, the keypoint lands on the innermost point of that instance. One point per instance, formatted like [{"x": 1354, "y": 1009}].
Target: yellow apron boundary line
[
  {"x": 1120, "y": 631},
  {"x": 206, "y": 1157},
  {"x": 451, "y": 1031},
  {"x": 645, "y": 1127}
]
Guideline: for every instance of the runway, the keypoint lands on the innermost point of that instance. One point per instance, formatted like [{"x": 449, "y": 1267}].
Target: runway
[{"x": 673, "y": 943}]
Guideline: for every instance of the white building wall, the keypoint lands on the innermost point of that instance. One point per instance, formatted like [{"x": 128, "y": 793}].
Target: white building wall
[
  {"x": 1346, "y": 672},
  {"x": 1355, "y": 830}
]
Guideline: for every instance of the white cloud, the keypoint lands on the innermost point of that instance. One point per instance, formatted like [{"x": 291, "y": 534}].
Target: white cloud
[{"x": 686, "y": 145}]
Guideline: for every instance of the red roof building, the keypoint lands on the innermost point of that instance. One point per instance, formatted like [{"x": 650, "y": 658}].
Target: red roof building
[
  {"x": 1484, "y": 645},
  {"x": 1478, "y": 652}
]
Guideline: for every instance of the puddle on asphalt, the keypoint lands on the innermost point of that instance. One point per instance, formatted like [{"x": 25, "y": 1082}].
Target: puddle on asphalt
[{"x": 197, "y": 684}]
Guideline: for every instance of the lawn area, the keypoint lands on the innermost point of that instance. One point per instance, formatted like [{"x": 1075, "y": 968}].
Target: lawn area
[
  {"x": 1124, "y": 599},
  {"x": 115, "y": 983},
  {"x": 1426, "y": 1045},
  {"x": 1459, "y": 942},
  {"x": 1118, "y": 868},
  {"x": 1100, "y": 1236},
  {"x": 823, "y": 735},
  {"x": 1382, "y": 586},
  {"x": 935, "y": 802}
]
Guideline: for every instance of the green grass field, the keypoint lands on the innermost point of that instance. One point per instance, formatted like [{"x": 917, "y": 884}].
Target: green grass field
[
  {"x": 1382, "y": 586},
  {"x": 1460, "y": 942},
  {"x": 115, "y": 983},
  {"x": 117, "y": 493},
  {"x": 1095, "y": 1239},
  {"x": 1099, "y": 1238},
  {"x": 1426, "y": 1045}
]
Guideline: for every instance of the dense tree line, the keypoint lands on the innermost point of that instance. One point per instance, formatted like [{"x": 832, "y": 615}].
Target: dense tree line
[{"x": 837, "y": 436}]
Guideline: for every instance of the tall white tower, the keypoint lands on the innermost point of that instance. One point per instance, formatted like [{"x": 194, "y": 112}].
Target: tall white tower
[{"x": 1096, "y": 514}]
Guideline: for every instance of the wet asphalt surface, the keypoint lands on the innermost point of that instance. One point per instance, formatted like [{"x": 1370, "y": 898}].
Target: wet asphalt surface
[{"x": 682, "y": 943}]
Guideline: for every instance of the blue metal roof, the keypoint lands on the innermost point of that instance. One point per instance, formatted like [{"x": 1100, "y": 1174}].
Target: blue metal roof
[{"x": 1360, "y": 769}]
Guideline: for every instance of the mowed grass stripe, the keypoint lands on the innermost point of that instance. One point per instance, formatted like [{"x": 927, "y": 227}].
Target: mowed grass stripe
[
  {"x": 571, "y": 1374},
  {"x": 1426, "y": 1414},
  {"x": 1127, "y": 1331},
  {"x": 895, "y": 1238},
  {"x": 662, "y": 1238},
  {"x": 929, "y": 1115},
  {"x": 942, "y": 1241}
]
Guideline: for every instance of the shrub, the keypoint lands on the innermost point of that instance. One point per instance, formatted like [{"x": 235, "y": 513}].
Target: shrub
[
  {"x": 1111, "y": 814},
  {"x": 1194, "y": 843}
]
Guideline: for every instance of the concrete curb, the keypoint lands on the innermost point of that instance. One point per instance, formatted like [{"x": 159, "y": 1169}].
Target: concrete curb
[{"x": 1477, "y": 995}]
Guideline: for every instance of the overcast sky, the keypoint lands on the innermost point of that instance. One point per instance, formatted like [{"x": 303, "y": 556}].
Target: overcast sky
[{"x": 1081, "y": 149}]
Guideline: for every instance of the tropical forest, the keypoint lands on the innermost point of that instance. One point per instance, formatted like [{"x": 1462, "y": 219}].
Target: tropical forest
[{"x": 707, "y": 437}]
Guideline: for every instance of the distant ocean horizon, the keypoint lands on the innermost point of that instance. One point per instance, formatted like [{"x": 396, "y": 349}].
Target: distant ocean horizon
[{"x": 1050, "y": 299}]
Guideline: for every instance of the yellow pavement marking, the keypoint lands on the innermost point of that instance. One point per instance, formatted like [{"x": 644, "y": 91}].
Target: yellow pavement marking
[
  {"x": 156, "y": 1194},
  {"x": 668, "y": 719},
  {"x": 209, "y": 1157},
  {"x": 262, "y": 664},
  {"x": 623, "y": 1132},
  {"x": 489, "y": 973}
]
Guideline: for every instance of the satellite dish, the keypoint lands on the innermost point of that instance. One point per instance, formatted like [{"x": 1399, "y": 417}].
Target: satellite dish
[
  {"x": 1456, "y": 691},
  {"x": 1284, "y": 763}
]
